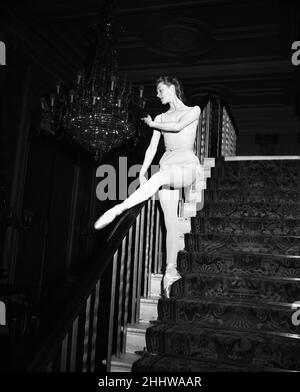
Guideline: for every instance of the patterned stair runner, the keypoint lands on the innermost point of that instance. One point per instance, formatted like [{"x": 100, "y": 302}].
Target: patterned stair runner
[{"x": 234, "y": 308}]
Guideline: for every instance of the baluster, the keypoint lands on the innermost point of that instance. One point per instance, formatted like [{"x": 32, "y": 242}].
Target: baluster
[
  {"x": 86, "y": 335},
  {"x": 227, "y": 134},
  {"x": 201, "y": 136},
  {"x": 150, "y": 262},
  {"x": 230, "y": 131},
  {"x": 146, "y": 271},
  {"x": 73, "y": 353},
  {"x": 49, "y": 367},
  {"x": 207, "y": 133},
  {"x": 127, "y": 288},
  {"x": 135, "y": 269},
  {"x": 112, "y": 310},
  {"x": 140, "y": 265},
  {"x": 64, "y": 354},
  {"x": 95, "y": 324},
  {"x": 223, "y": 147},
  {"x": 91, "y": 331},
  {"x": 120, "y": 308},
  {"x": 156, "y": 256},
  {"x": 160, "y": 249}
]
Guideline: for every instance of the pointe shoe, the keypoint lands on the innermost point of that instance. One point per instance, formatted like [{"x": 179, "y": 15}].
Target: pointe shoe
[
  {"x": 171, "y": 276},
  {"x": 108, "y": 217}
]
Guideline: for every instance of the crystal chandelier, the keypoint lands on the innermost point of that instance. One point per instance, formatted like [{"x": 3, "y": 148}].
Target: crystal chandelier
[{"x": 101, "y": 111}]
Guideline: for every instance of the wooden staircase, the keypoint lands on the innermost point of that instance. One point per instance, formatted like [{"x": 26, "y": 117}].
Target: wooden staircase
[
  {"x": 135, "y": 334},
  {"x": 233, "y": 310}
]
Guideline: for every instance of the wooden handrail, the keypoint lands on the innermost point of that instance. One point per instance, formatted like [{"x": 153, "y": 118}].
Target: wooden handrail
[{"x": 84, "y": 289}]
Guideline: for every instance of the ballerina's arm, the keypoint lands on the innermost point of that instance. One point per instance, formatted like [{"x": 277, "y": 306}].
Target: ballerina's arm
[
  {"x": 151, "y": 150},
  {"x": 177, "y": 126}
]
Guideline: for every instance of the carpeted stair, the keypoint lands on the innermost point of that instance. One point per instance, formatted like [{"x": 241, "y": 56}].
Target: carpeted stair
[{"x": 233, "y": 308}]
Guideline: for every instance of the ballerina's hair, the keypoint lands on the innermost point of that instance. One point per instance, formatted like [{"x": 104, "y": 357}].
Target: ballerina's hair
[{"x": 169, "y": 80}]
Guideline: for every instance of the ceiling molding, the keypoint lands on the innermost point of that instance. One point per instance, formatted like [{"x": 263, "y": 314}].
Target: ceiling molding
[
  {"x": 211, "y": 70},
  {"x": 179, "y": 5},
  {"x": 179, "y": 36}
]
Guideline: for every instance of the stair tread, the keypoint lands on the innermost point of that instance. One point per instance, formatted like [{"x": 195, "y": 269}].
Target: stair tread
[
  {"x": 211, "y": 237},
  {"x": 195, "y": 329},
  {"x": 234, "y": 302},
  {"x": 250, "y": 158},
  {"x": 252, "y": 243},
  {"x": 253, "y": 203},
  {"x": 125, "y": 358},
  {"x": 251, "y": 219},
  {"x": 234, "y": 182},
  {"x": 240, "y": 275},
  {"x": 236, "y": 253},
  {"x": 151, "y": 299},
  {"x": 139, "y": 327},
  {"x": 163, "y": 363},
  {"x": 229, "y": 315},
  {"x": 124, "y": 362}
]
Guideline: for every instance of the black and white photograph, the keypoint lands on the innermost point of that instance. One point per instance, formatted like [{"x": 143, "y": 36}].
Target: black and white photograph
[{"x": 150, "y": 191}]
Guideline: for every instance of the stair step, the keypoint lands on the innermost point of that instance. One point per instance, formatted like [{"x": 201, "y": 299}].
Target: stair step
[
  {"x": 184, "y": 225},
  {"x": 236, "y": 287},
  {"x": 261, "y": 157},
  {"x": 243, "y": 243},
  {"x": 247, "y": 226},
  {"x": 245, "y": 209},
  {"x": 195, "y": 196},
  {"x": 240, "y": 194},
  {"x": 260, "y": 167},
  {"x": 209, "y": 162},
  {"x": 135, "y": 340},
  {"x": 124, "y": 362},
  {"x": 148, "y": 309},
  {"x": 181, "y": 242},
  {"x": 174, "y": 364},
  {"x": 222, "y": 185},
  {"x": 229, "y": 314},
  {"x": 189, "y": 210},
  {"x": 239, "y": 263},
  {"x": 155, "y": 285},
  {"x": 261, "y": 174},
  {"x": 236, "y": 347}
]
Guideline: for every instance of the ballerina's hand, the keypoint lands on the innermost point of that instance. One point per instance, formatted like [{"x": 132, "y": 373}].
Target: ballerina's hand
[
  {"x": 142, "y": 179},
  {"x": 148, "y": 120}
]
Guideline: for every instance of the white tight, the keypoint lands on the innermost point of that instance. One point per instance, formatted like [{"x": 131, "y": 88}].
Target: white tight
[
  {"x": 177, "y": 178},
  {"x": 169, "y": 203}
]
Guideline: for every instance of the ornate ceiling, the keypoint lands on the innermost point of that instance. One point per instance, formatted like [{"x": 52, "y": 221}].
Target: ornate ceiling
[{"x": 238, "y": 49}]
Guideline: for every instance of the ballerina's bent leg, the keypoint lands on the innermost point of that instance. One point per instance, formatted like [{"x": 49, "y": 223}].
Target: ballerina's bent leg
[{"x": 169, "y": 203}]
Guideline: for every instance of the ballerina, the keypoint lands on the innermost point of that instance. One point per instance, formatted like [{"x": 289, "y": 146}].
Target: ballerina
[{"x": 178, "y": 168}]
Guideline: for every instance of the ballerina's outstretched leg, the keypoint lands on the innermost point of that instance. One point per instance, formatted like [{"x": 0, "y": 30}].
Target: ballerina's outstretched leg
[
  {"x": 174, "y": 177},
  {"x": 169, "y": 202},
  {"x": 141, "y": 194}
]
